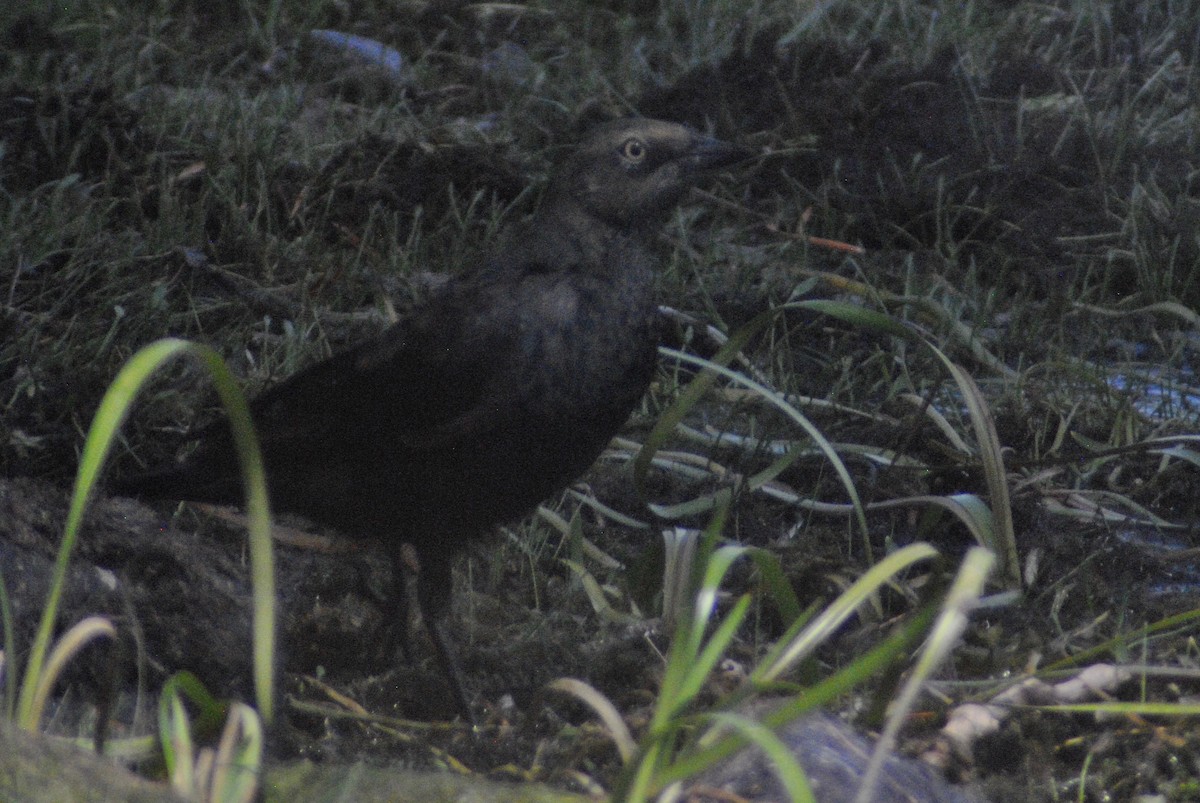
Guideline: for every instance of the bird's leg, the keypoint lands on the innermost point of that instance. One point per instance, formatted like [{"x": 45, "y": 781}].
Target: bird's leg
[
  {"x": 433, "y": 599},
  {"x": 396, "y": 605}
]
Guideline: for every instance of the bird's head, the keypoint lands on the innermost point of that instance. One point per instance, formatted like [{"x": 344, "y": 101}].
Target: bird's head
[{"x": 631, "y": 172}]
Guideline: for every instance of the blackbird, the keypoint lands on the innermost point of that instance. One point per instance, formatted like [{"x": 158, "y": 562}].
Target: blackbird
[{"x": 494, "y": 394}]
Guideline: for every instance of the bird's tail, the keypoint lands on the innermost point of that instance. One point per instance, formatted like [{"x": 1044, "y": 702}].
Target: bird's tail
[{"x": 186, "y": 482}]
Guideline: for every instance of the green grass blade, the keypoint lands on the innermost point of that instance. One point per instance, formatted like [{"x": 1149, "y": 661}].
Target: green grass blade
[
  {"x": 711, "y": 747},
  {"x": 992, "y": 459},
  {"x": 838, "y": 611},
  {"x": 1185, "y": 621},
  {"x": 715, "y": 647},
  {"x": 262, "y": 560},
  {"x": 858, "y": 316},
  {"x": 795, "y": 415},
  {"x": 238, "y": 764},
  {"x": 114, "y": 407},
  {"x": 775, "y": 583},
  {"x": 67, "y": 647},
  {"x": 680, "y": 549},
  {"x": 943, "y": 638},
  {"x": 175, "y": 726},
  {"x": 787, "y": 768},
  {"x": 691, "y": 395},
  {"x": 969, "y": 509},
  {"x": 608, "y": 713},
  {"x": 8, "y": 665},
  {"x": 678, "y": 684},
  {"x": 175, "y": 732}
]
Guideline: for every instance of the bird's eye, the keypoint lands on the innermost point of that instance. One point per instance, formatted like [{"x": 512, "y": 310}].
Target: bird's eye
[{"x": 634, "y": 150}]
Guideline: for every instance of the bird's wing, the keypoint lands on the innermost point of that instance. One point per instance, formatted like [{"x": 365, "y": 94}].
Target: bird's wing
[{"x": 430, "y": 379}]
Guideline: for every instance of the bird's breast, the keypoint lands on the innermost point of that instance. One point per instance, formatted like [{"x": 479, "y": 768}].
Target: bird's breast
[{"x": 557, "y": 306}]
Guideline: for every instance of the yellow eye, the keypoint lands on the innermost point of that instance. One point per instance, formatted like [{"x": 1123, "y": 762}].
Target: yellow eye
[{"x": 634, "y": 150}]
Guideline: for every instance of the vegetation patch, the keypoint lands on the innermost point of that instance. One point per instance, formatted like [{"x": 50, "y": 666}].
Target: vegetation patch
[{"x": 946, "y": 309}]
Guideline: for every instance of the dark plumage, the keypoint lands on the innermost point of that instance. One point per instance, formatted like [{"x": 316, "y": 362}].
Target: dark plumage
[{"x": 495, "y": 394}]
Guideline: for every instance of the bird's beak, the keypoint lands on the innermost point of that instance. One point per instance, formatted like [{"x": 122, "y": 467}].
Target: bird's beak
[{"x": 707, "y": 154}]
